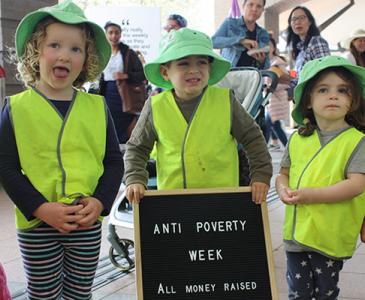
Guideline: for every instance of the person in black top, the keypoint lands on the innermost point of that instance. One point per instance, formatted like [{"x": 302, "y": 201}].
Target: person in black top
[{"x": 115, "y": 70}]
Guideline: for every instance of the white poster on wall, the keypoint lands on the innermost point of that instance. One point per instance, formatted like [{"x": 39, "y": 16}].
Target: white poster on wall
[{"x": 141, "y": 26}]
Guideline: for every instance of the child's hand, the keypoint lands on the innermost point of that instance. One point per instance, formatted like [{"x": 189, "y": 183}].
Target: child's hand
[
  {"x": 91, "y": 211},
  {"x": 300, "y": 196},
  {"x": 259, "y": 192},
  {"x": 135, "y": 192},
  {"x": 285, "y": 193},
  {"x": 60, "y": 216}
]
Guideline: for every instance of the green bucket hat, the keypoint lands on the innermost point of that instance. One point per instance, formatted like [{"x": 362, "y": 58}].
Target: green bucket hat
[
  {"x": 315, "y": 66},
  {"x": 181, "y": 43},
  {"x": 66, "y": 12}
]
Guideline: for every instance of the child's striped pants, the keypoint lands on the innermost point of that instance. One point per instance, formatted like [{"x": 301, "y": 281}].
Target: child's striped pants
[{"x": 60, "y": 266}]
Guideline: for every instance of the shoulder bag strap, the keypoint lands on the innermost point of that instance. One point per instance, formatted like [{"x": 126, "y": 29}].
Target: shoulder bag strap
[{"x": 126, "y": 61}]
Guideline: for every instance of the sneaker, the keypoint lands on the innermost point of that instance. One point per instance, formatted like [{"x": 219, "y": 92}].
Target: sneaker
[{"x": 274, "y": 147}]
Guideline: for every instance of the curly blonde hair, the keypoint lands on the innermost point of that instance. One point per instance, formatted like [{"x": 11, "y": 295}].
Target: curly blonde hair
[{"x": 28, "y": 64}]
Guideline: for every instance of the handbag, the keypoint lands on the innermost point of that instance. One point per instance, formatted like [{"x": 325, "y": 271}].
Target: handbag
[{"x": 133, "y": 94}]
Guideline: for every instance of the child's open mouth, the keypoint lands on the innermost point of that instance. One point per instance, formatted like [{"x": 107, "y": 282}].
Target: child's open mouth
[{"x": 61, "y": 72}]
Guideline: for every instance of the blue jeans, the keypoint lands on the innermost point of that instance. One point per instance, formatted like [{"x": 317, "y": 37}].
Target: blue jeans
[{"x": 275, "y": 128}]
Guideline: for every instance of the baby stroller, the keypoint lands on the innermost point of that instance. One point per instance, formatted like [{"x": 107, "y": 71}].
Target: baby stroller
[{"x": 249, "y": 88}]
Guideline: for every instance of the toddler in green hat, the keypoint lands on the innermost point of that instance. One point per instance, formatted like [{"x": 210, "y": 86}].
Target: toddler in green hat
[
  {"x": 60, "y": 161},
  {"x": 322, "y": 176},
  {"x": 194, "y": 125}
]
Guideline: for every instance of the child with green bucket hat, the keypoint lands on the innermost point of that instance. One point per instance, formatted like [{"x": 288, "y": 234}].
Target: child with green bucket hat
[
  {"x": 194, "y": 125},
  {"x": 60, "y": 161},
  {"x": 322, "y": 179}
]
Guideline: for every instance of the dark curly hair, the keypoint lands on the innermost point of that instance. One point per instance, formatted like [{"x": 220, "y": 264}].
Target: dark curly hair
[{"x": 356, "y": 114}]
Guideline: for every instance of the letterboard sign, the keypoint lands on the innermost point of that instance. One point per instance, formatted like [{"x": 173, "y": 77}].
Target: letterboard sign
[{"x": 203, "y": 244}]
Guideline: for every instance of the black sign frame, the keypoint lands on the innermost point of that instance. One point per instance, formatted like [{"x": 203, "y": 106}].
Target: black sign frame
[{"x": 212, "y": 222}]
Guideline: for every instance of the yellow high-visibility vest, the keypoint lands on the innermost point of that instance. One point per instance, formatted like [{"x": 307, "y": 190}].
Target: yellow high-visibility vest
[
  {"x": 333, "y": 228},
  {"x": 198, "y": 154},
  {"x": 62, "y": 158}
]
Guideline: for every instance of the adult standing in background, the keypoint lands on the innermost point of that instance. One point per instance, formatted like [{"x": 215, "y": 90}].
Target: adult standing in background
[
  {"x": 304, "y": 42},
  {"x": 115, "y": 70},
  {"x": 175, "y": 21},
  {"x": 236, "y": 36},
  {"x": 355, "y": 45}
]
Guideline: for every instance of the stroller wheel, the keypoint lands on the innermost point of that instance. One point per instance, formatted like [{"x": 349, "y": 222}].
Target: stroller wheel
[{"x": 124, "y": 263}]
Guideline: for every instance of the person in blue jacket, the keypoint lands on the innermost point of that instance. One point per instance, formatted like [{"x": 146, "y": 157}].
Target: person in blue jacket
[{"x": 237, "y": 36}]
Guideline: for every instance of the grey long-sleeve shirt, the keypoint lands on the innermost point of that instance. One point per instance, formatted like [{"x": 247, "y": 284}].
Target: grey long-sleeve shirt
[{"x": 243, "y": 128}]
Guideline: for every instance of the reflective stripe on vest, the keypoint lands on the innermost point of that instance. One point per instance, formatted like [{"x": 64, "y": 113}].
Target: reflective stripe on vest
[
  {"x": 201, "y": 153},
  {"x": 331, "y": 229},
  {"x": 63, "y": 159}
]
